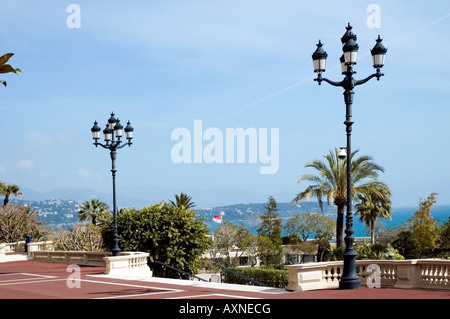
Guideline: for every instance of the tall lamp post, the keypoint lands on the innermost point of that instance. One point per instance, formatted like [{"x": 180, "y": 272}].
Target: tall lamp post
[
  {"x": 349, "y": 279},
  {"x": 112, "y": 135}
]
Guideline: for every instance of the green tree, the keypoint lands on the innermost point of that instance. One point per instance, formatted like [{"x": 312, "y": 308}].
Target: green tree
[
  {"x": 331, "y": 182},
  {"x": 443, "y": 241},
  {"x": 270, "y": 223},
  {"x": 228, "y": 237},
  {"x": 183, "y": 201},
  {"x": 404, "y": 244},
  {"x": 171, "y": 235},
  {"x": 6, "y": 68},
  {"x": 321, "y": 227},
  {"x": 424, "y": 231},
  {"x": 95, "y": 210},
  {"x": 373, "y": 206},
  {"x": 307, "y": 225},
  {"x": 8, "y": 190},
  {"x": 269, "y": 235}
]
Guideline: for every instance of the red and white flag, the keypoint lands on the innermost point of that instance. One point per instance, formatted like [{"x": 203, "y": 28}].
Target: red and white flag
[{"x": 217, "y": 219}]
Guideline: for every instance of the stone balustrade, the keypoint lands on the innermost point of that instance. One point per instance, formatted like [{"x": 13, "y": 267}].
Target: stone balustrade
[
  {"x": 20, "y": 246},
  {"x": 412, "y": 273},
  {"x": 88, "y": 258},
  {"x": 128, "y": 263},
  {"x": 2, "y": 252},
  {"x": 132, "y": 263}
]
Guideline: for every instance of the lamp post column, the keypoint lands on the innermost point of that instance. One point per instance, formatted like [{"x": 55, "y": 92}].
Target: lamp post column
[
  {"x": 349, "y": 279},
  {"x": 115, "y": 249}
]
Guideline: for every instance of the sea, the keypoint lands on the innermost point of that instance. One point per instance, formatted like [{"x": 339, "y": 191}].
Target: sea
[{"x": 441, "y": 213}]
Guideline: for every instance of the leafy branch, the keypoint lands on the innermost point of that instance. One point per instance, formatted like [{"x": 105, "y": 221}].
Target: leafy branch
[{"x": 7, "y": 68}]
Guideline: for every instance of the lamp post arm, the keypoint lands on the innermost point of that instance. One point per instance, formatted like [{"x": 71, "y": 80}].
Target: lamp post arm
[
  {"x": 378, "y": 74},
  {"x": 106, "y": 146},
  {"x": 116, "y": 145},
  {"x": 320, "y": 79},
  {"x": 123, "y": 145}
]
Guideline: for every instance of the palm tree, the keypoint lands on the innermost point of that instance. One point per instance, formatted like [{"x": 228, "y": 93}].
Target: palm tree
[
  {"x": 9, "y": 190},
  {"x": 183, "y": 201},
  {"x": 332, "y": 183},
  {"x": 374, "y": 206},
  {"x": 6, "y": 68},
  {"x": 94, "y": 210}
]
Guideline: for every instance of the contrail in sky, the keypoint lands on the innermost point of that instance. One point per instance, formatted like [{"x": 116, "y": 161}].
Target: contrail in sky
[{"x": 308, "y": 79}]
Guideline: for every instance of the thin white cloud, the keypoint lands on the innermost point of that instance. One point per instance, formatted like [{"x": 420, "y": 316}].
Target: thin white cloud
[
  {"x": 87, "y": 174},
  {"x": 25, "y": 165},
  {"x": 41, "y": 140}
]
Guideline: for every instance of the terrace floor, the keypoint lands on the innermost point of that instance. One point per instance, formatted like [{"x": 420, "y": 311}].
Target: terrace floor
[{"x": 26, "y": 279}]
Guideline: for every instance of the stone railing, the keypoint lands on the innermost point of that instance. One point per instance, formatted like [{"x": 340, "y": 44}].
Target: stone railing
[
  {"x": 128, "y": 263},
  {"x": 414, "y": 273},
  {"x": 134, "y": 263},
  {"x": 88, "y": 258},
  {"x": 20, "y": 246},
  {"x": 2, "y": 252}
]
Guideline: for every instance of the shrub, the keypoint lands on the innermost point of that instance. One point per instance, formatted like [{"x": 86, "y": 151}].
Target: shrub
[
  {"x": 268, "y": 276},
  {"x": 83, "y": 237}
]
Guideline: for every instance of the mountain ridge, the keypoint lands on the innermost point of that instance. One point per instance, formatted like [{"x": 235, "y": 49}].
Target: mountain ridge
[{"x": 143, "y": 196}]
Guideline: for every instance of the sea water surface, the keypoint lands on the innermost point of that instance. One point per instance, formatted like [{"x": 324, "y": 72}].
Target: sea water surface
[{"x": 401, "y": 215}]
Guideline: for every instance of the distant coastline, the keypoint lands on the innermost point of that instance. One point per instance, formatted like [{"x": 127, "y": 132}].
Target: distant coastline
[{"x": 64, "y": 213}]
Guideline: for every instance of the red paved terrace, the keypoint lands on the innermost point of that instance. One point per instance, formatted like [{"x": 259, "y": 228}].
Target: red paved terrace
[
  {"x": 41, "y": 280},
  {"x": 33, "y": 287}
]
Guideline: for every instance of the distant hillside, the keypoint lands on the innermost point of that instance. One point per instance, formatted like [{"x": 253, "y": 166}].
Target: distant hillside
[
  {"x": 248, "y": 214},
  {"x": 143, "y": 196},
  {"x": 57, "y": 213},
  {"x": 64, "y": 213}
]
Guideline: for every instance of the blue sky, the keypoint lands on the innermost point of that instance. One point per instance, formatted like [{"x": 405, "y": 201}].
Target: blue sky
[{"x": 164, "y": 64}]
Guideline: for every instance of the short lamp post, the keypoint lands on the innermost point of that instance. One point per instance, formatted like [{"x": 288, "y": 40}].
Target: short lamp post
[
  {"x": 349, "y": 279},
  {"x": 112, "y": 136}
]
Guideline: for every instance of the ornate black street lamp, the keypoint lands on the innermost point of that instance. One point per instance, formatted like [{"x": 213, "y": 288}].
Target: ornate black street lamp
[
  {"x": 349, "y": 279},
  {"x": 112, "y": 135}
]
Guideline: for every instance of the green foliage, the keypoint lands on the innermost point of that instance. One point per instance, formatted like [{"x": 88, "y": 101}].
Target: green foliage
[
  {"x": 270, "y": 223},
  {"x": 227, "y": 237},
  {"x": 443, "y": 241},
  {"x": 95, "y": 210},
  {"x": 334, "y": 253},
  {"x": 331, "y": 182},
  {"x": 269, "y": 253},
  {"x": 306, "y": 225},
  {"x": 6, "y": 68},
  {"x": 8, "y": 190},
  {"x": 183, "y": 201},
  {"x": 269, "y": 236},
  {"x": 424, "y": 232},
  {"x": 268, "y": 276},
  {"x": 377, "y": 251},
  {"x": 372, "y": 206},
  {"x": 404, "y": 244},
  {"x": 421, "y": 236},
  {"x": 171, "y": 235}
]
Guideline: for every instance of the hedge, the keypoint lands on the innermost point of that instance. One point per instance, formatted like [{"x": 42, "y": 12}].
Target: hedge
[{"x": 268, "y": 276}]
